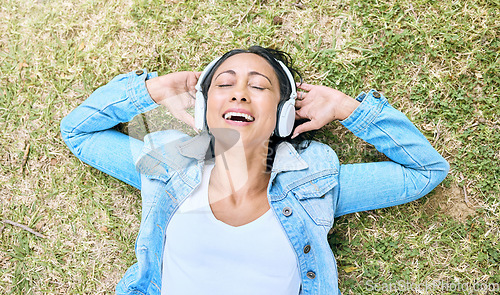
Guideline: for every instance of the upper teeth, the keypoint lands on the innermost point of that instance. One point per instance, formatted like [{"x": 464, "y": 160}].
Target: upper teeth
[{"x": 228, "y": 116}]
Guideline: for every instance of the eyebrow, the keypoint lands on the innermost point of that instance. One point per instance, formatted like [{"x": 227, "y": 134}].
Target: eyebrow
[{"x": 252, "y": 73}]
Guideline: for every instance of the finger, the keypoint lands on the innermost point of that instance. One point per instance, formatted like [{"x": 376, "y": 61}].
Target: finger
[
  {"x": 301, "y": 95},
  {"x": 192, "y": 96},
  {"x": 304, "y": 127},
  {"x": 299, "y": 103},
  {"x": 301, "y": 114},
  {"x": 186, "y": 118},
  {"x": 299, "y": 129},
  {"x": 189, "y": 99},
  {"x": 305, "y": 86},
  {"x": 192, "y": 80}
]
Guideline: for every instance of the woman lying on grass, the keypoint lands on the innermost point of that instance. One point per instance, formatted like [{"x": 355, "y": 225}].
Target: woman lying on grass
[{"x": 245, "y": 206}]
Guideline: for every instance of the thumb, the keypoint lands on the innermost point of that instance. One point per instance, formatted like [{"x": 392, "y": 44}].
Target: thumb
[
  {"x": 186, "y": 118},
  {"x": 304, "y": 127}
]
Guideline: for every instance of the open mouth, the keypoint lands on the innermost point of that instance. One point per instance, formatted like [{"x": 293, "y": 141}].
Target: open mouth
[{"x": 238, "y": 117}]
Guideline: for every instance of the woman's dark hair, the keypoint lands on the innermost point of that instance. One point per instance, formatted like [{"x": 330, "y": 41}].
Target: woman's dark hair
[{"x": 271, "y": 56}]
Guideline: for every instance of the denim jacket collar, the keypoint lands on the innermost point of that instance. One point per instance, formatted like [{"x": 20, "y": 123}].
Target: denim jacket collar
[
  {"x": 195, "y": 147},
  {"x": 287, "y": 158}
]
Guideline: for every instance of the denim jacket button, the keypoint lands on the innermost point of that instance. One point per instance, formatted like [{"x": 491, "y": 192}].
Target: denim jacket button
[
  {"x": 307, "y": 248},
  {"x": 376, "y": 94},
  {"x": 311, "y": 274},
  {"x": 287, "y": 211},
  {"x": 139, "y": 72}
]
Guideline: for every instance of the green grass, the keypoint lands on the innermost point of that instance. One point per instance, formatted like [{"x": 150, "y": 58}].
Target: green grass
[{"x": 438, "y": 62}]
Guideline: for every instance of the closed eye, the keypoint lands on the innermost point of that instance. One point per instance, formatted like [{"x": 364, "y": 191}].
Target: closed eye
[{"x": 258, "y": 87}]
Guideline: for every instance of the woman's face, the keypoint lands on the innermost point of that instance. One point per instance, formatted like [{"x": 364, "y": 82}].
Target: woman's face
[{"x": 244, "y": 96}]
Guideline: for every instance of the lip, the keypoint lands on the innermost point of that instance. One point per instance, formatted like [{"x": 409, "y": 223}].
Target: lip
[{"x": 237, "y": 123}]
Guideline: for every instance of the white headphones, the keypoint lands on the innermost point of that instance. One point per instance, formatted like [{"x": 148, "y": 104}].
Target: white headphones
[{"x": 286, "y": 109}]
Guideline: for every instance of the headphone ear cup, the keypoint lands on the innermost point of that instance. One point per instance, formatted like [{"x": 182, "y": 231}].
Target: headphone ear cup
[
  {"x": 278, "y": 119},
  {"x": 199, "y": 111},
  {"x": 200, "y": 104},
  {"x": 285, "y": 118}
]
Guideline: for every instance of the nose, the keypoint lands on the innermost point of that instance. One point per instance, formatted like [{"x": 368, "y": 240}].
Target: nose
[
  {"x": 241, "y": 99},
  {"x": 241, "y": 93}
]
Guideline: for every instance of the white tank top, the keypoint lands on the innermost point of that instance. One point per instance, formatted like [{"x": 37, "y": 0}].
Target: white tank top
[{"x": 203, "y": 255}]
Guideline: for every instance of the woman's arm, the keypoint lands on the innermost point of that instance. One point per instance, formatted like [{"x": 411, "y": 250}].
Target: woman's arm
[
  {"x": 88, "y": 132},
  {"x": 416, "y": 167}
]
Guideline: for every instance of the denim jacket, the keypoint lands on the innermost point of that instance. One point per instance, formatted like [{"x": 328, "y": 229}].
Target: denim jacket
[{"x": 306, "y": 191}]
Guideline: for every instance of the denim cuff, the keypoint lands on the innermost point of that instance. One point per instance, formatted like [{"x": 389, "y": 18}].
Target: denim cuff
[
  {"x": 370, "y": 107},
  {"x": 137, "y": 91}
]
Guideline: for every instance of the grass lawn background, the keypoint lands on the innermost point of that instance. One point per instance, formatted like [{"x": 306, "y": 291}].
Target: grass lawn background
[{"x": 438, "y": 62}]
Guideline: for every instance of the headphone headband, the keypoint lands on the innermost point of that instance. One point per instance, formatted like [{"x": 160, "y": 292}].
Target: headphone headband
[
  {"x": 293, "y": 87},
  {"x": 204, "y": 74}
]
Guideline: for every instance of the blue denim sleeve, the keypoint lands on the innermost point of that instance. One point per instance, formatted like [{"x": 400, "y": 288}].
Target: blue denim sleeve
[
  {"x": 416, "y": 167},
  {"x": 88, "y": 132}
]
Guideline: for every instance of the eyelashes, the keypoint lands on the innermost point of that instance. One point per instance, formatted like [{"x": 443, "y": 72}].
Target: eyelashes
[{"x": 252, "y": 86}]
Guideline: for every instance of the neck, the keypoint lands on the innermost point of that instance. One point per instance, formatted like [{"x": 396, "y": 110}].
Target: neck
[{"x": 239, "y": 173}]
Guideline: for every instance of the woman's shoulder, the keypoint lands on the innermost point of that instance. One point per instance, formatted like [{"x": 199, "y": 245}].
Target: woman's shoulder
[
  {"x": 164, "y": 137},
  {"x": 317, "y": 153},
  {"x": 318, "y": 147},
  {"x": 160, "y": 153}
]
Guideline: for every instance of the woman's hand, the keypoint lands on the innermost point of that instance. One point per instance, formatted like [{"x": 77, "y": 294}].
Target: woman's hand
[
  {"x": 321, "y": 105},
  {"x": 176, "y": 92}
]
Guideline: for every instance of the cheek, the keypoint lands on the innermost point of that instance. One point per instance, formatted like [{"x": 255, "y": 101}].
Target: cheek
[
  {"x": 211, "y": 110},
  {"x": 270, "y": 115}
]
